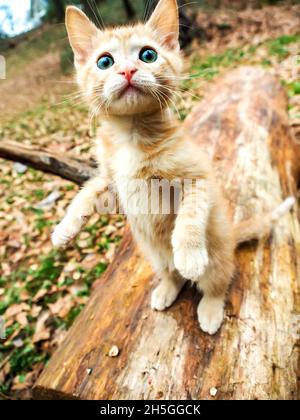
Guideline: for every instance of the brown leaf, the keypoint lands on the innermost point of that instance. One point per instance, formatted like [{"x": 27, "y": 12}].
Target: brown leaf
[
  {"x": 62, "y": 306},
  {"x": 35, "y": 311},
  {"x": 21, "y": 318},
  {"x": 4, "y": 372},
  {"x": 40, "y": 294},
  {"x": 41, "y": 332},
  {"x": 16, "y": 309}
]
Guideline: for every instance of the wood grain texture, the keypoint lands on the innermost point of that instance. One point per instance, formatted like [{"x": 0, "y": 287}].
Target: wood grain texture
[
  {"x": 242, "y": 124},
  {"x": 68, "y": 167}
]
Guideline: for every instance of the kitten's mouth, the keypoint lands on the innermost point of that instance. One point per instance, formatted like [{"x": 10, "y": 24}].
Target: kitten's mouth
[{"x": 130, "y": 89}]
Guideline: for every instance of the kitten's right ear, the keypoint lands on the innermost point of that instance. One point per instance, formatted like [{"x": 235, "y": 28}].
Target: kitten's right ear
[{"x": 81, "y": 32}]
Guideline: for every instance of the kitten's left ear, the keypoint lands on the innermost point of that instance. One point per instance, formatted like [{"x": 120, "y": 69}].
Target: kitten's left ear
[{"x": 165, "y": 22}]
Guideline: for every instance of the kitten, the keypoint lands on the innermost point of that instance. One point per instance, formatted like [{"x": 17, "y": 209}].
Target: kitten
[{"x": 129, "y": 75}]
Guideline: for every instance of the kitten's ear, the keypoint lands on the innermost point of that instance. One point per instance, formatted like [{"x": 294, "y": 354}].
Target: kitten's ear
[
  {"x": 81, "y": 32},
  {"x": 165, "y": 22}
]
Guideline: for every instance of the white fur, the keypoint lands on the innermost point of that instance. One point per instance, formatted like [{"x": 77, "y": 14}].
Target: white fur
[
  {"x": 210, "y": 314},
  {"x": 191, "y": 263},
  {"x": 165, "y": 294}
]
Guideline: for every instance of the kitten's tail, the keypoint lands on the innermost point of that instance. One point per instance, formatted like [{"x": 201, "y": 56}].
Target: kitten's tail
[{"x": 262, "y": 225}]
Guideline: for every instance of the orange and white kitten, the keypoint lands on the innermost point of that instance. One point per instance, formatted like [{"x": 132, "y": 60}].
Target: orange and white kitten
[{"x": 129, "y": 75}]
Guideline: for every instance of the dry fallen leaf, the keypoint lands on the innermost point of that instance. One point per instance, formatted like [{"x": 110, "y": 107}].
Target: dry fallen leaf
[
  {"x": 21, "y": 318},
  {"x": 16, "y": 309},
  {"x": 41, "y": 331},
  {"x": 40, "y": 294},
  {"x": 35, "y": 311},
  {"x": 62, "y": 306}
]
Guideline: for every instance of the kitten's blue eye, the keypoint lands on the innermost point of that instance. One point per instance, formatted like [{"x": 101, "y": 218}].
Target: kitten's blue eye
[
  {"x": 105, "y": 62},
  {"x": 148, "y": 55}
]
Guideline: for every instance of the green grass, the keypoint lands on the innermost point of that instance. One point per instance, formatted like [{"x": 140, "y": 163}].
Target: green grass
[
  {"x": 294, "y": 88},
  {"x": 278, "y": 46},
  {"x": 210, "y": 66}
]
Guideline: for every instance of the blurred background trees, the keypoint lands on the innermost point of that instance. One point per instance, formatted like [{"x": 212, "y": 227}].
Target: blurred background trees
[{"x": 35, "y": 12}]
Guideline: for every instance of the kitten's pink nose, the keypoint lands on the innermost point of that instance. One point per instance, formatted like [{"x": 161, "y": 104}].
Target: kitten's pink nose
[{"x": 128, "y": 72}]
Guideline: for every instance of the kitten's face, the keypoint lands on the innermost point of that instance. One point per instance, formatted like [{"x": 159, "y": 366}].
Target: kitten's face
[{"x": 129, "y": 70}]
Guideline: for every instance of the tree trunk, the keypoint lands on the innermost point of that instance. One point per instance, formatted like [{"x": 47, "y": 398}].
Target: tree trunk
[
  {"x": 130, "y": 12},
  {"x": 243, "y": 126},
  {"x": 59, "y": 10}
]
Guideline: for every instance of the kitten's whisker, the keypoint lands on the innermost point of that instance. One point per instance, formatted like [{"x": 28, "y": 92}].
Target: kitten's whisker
[
  {"x": 157, "y": 97},
  {"x": 147, "y": 10},
  {"x": 76, "y": 100},
  {"x": 191, "y": 3},
  {"x": 95, "y": 12},
  {"x": 63, "y": 81},
  {"x": 183, "y": 91},
  {"x": 166, "y": 97},
  {"x": 169, "y": 96}
]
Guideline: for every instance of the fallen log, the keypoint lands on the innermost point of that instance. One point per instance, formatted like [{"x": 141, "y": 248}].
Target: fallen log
[
  {"x": 243, "y": 125},
  {"x": 68, "y": 167}
]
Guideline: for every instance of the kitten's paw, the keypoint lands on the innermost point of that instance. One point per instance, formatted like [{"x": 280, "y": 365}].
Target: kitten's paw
[
  {"x": 210, "y": 314},
  {"x": 164, "y": 295},
  {"x": 191, "y": 263},
  {"x": 64, "y": 233}
]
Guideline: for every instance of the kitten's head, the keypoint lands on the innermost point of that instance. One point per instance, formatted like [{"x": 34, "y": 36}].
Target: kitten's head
[{"x": 127, "y": 70}]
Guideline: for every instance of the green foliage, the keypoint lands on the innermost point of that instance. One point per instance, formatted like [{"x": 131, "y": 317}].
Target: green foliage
[
  {"x": 47, "y": 272},
  {"x": 22, "y": 359},
  {"x": 294, "y": 88},
  {"x": 209, "y": 67},
  {"x": 278, "y": 46}
]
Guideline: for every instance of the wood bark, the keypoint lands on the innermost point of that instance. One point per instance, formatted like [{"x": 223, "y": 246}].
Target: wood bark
[
  {"x": 243, "y": 126},
  {"x": 71, "y": 168}
]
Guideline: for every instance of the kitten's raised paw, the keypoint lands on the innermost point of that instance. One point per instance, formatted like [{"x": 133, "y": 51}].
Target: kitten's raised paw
[
  {"x": 62, "y": 234},
  {"x": 59, "y": 238},
  {"x": 210, "y": 314},
  {"x": 164, "y": 295},
  {"x": 191, "y": 263}
]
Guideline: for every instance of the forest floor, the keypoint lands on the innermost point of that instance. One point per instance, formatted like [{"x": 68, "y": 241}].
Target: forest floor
[{"x": 42, "y": 290}]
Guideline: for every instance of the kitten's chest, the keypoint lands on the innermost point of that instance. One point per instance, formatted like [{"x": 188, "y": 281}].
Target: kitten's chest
[
  {"x": 136, "y": 177},
  {"x": 128, "y": 162},
  {"x": 131, "y": 176}
]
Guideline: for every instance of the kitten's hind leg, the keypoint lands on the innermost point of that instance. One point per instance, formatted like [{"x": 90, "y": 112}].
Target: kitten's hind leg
[
  {"x": 214, "y": 285},
  {"x": 79, "y": 211},
  {"x": 210, "y": 313},
  {"x": 167, "y": 291}
]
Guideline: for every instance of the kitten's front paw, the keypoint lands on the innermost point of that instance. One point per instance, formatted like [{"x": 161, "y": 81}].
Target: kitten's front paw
[
  {"x": 191, "y": 263},
  {"x": 164, "y": 295},
  {"x": 210, "y": 314},
  {"x": 63, "y": 233}
]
